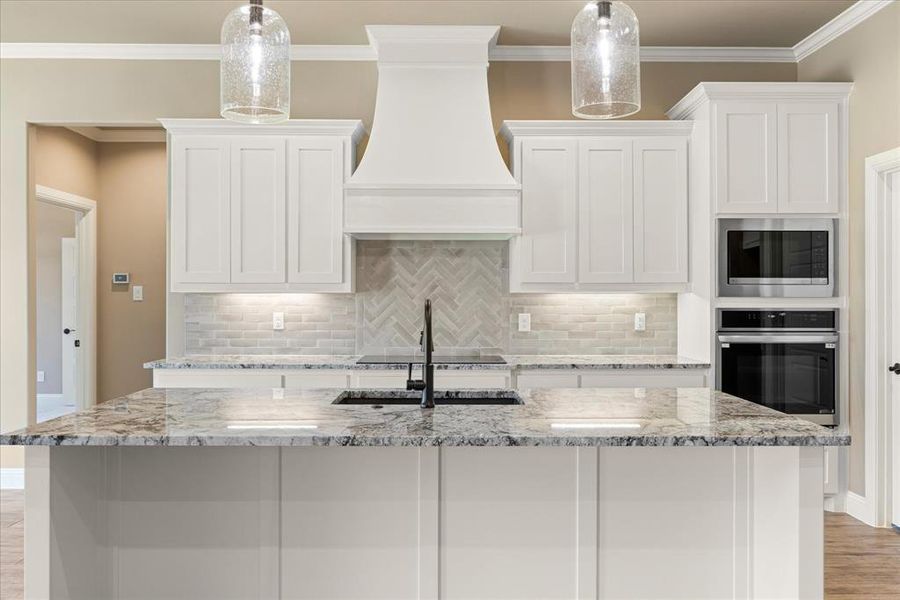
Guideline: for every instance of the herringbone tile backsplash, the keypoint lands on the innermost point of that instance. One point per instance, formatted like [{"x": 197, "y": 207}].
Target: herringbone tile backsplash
[{"x": 473, "y": 311}]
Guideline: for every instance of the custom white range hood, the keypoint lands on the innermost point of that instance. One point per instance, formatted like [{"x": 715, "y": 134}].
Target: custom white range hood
[{"x": 432, "y": 169}]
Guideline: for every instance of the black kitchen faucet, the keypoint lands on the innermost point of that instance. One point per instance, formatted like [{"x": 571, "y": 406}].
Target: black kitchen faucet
[{"x": 426, "y": 384}]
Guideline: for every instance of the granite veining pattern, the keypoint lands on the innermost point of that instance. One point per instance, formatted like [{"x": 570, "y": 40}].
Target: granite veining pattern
[
  {"x": 523, "y": 361},
  {"x": 549, "y": 417}
]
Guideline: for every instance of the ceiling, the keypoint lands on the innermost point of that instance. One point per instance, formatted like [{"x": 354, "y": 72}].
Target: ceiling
[{"x": 766, "y": 23}]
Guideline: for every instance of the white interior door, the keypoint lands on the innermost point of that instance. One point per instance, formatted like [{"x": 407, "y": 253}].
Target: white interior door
[
  {"x": 69, "y": 320},
  {"x": 894, "y": 355}
]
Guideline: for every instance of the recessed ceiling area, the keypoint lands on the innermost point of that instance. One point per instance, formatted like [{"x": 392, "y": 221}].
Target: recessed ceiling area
[{"x": 764, "y": 23}]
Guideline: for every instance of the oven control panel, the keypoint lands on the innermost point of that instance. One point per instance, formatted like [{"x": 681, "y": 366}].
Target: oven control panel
[{"x": 753, "y": 320}]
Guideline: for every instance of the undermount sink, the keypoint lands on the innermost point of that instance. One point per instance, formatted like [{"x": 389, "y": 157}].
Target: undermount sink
[{"x": 379, "y": 398}]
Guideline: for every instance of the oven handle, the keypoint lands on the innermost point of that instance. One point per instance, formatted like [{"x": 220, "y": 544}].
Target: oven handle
[{"x": 779, "y": 339}]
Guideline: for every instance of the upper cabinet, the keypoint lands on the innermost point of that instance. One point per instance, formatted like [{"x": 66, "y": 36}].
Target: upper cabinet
[
  {"x": 259, "y": 208},
  {"x": 604, "y": 206},
  {"x": 775, "y": 148},
  {"x": 746, "y": 157}
]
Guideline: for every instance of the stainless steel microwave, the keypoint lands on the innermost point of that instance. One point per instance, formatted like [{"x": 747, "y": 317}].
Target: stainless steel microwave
[{"x": 777, "y": 257}]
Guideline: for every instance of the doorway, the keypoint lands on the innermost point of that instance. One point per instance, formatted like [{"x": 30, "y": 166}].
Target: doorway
[
  {"x": 880, "y": 506},
  {"x": 65, "y": 238}
]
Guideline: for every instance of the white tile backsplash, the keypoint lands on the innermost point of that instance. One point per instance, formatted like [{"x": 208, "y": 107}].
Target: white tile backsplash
[{"x": 472, "y": 311}]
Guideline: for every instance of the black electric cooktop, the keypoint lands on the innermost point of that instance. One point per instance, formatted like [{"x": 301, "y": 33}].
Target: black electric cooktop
[{"x": 393, "y": 359}]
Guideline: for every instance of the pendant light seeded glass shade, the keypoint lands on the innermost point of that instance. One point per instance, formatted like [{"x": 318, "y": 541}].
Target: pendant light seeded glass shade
[
  {"x": 606, "y": 65},
  {"x": 256, "y": 65}
]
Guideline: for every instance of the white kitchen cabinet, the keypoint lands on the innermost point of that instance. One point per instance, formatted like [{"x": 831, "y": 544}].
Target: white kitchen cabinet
[
  {"x": 614, "y": 220},
  {"x": 315, "y": 209},
  {"x": 808, "y": 157},
  {"x": 775, "y": 148},
  {"x": 200, "y": 210},
  {"x": 444, "y": 379},
  {"x": 547, "y": 246},
  {"x": 257, "y": 209},
  {"x": 660, "y": 210},
  {"x": 611, "y": 378},
  {"x": 606, "y": 211},
  {"x": 745, "y": 157}
]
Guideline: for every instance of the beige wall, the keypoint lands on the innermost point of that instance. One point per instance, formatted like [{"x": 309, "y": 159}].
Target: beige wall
[
  {"x": 66, "y": 161},
  {"x": 131, "y": 237},
  {"x": 47, "y": 91},
  {"x": 869, "y": 56},
  {"x": 52, "y": 223}
]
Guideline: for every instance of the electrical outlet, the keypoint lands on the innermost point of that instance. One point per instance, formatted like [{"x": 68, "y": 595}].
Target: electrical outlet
[
  {"x": 40, "y": 377},
  {"x": 137, "y": 293},
  {"x": 277, "y": 321},
  {"x": 277, "y": 393},
  {"x": 640, "y": 322},
  {"x": 524, "y": 321}
]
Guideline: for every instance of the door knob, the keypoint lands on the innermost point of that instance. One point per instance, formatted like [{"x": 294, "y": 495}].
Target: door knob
[
  {"x": 895, "y": 368},
  {"x": 67, "y": 331}
]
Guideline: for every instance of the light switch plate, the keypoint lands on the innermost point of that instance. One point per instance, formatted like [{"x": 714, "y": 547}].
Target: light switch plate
[
  {"x": 640, "y": 321},
  {"x": 40, "y": 377},
  {"x": 137, "y": 293},
  {"x": 524, "y": 321},
  {"x": 277, "y": 321}
]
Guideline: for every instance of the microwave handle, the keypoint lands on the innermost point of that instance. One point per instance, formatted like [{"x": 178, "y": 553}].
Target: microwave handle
[{"x": 779, "y": 339}]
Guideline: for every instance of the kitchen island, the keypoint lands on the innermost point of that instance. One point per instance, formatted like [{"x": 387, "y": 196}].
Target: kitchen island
[{"x": 575, "y": 493}]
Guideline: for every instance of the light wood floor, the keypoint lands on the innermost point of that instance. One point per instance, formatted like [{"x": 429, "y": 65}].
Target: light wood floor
[{"x": 861, "y": 563}]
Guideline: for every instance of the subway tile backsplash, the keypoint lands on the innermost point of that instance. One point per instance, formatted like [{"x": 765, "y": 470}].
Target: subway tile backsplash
[{"x": 473, "y": 311}]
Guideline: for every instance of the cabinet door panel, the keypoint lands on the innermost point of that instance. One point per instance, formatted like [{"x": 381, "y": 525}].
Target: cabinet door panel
[
  {"x": 660, "y": 210},
  {"x": 315, "y": 205},
  {"x": 606, "y": 211},
  {"x": 257, "y": 210},
  {"x": 200, "y": 210},
  {"x": 547, "y": 244},
  {"x": 745, "y": 157},
  {"x": 807, "y": 157}
]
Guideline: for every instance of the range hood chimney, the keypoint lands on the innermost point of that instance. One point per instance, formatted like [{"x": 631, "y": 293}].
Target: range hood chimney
[{"x": 432, "y": 169}]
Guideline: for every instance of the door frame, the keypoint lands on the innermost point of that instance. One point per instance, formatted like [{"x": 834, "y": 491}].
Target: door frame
[
  {"x": 86, "y": 234},
  {"x": 873, "y": 507}
]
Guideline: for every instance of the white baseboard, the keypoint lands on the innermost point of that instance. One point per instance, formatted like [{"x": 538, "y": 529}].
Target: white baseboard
[
  {"x": 861, "y": 509},
  {"x": 12, "y": 479}
]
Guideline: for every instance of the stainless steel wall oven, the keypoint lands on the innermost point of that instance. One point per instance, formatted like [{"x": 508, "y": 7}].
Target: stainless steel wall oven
[
  {"x": 777, "y": 257},
  {"x": 783, "y": 359}
]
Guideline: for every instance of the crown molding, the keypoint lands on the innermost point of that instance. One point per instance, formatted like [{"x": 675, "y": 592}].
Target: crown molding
[
  {"x": 841, "y": 24},
  {"x": 838, "y": 26},
  {"x": 769, "y": 91},
  {"x": 351, "y": 128},
  {"x": 574, "y": 127},
  {"x": 362, "y": 52},
  {"x": 120, "y": 134}
]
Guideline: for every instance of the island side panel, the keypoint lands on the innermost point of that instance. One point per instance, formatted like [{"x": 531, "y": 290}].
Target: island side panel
[
  {"x": 509, "y": 523},
  {"x": 350, "y": 522},
  {"x": 787, "y": 522},
  {"x": 666, "y": 522},
  {"x": 66, "y": 549},
  {"x": 453, "y": 522}
]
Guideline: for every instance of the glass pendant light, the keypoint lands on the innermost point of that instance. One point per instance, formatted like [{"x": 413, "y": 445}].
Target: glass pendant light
[
  {"x": 256, "y": 65},
  {"x": 606, "y": 65}
]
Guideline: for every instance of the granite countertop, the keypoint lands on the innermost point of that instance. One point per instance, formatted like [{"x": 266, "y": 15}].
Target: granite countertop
[
  {"x": 548, "y": 417},
  {"x": 519, "y": 361}
]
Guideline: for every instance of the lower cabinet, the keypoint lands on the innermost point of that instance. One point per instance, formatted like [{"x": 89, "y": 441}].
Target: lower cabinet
[
  {"x": 640, "y": 378},
  {"x": 324, "y": 378}
]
